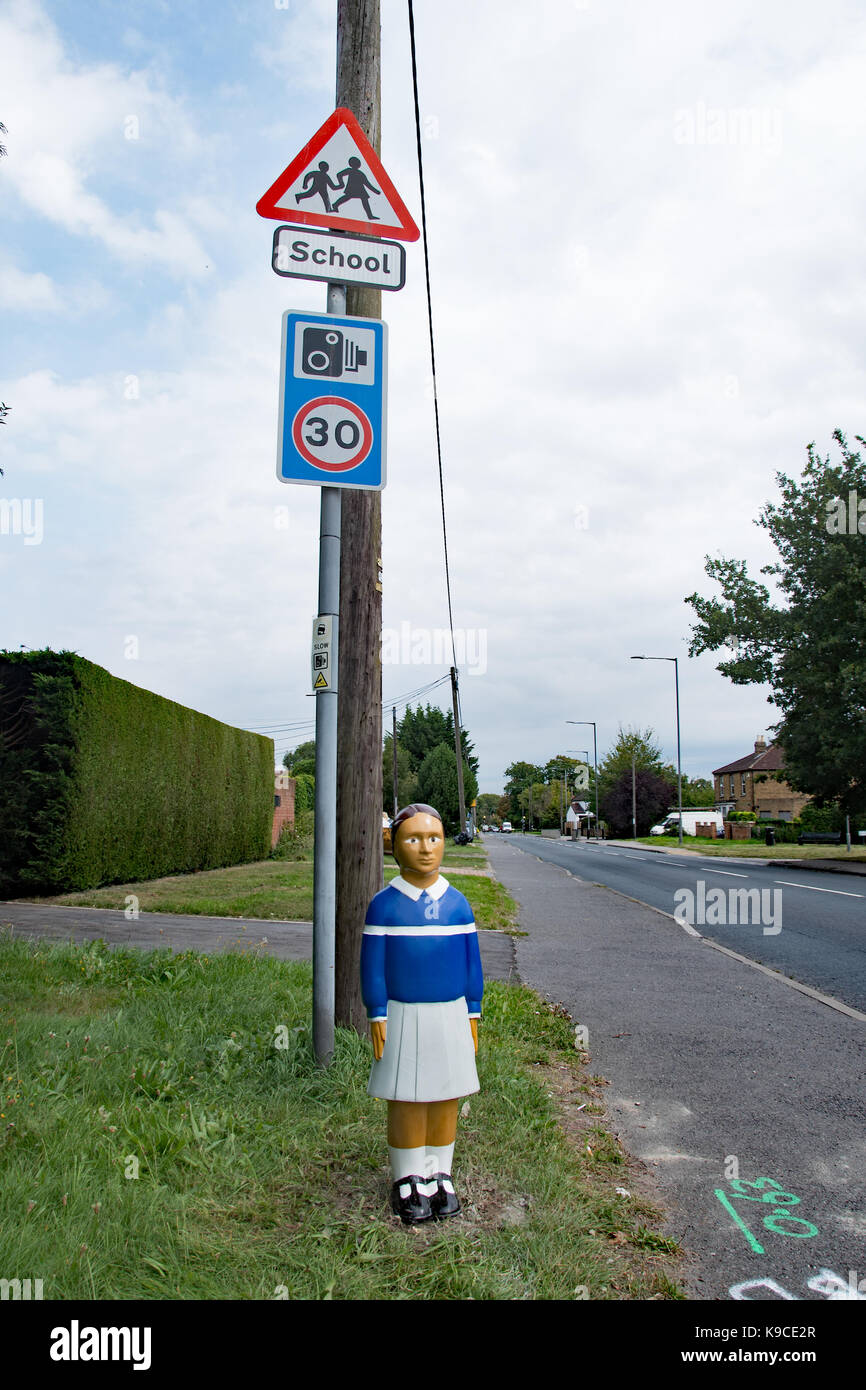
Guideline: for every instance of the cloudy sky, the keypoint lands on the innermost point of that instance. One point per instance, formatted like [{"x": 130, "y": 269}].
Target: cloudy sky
[{"x": 646, "y": 236}]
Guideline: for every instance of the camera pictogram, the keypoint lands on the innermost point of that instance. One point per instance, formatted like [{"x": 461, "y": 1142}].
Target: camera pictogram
[{"x": 329, "y": 352}]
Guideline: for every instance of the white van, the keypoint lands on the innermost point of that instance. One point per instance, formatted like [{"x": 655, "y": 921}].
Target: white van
[{"x": 670, "y": 824}]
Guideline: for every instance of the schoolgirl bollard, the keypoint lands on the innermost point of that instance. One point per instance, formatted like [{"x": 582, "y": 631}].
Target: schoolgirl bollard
[{"x": 422, "y": 984}]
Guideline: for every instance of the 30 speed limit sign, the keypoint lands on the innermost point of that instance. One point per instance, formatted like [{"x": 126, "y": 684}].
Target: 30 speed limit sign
[
  {"x": 332, "y": 433},
  {"x": 332, "y": 401}
]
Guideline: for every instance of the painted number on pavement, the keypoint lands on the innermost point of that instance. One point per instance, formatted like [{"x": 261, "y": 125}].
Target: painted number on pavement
[{"x": 778, "y": 1221}]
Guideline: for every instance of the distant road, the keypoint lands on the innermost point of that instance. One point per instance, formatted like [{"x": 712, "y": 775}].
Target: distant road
[{"x": 822, "y": 941}]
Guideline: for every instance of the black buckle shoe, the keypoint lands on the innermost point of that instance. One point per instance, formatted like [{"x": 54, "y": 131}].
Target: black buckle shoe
[
  {"x": 410, "y": 1204},
  {"x": 444, "y": 1200}
]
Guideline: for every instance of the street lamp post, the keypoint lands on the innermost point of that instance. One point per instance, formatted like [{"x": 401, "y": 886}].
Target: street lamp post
[
  {"x": 675, "y": 660},
  {"x": 595, "y": 762}
]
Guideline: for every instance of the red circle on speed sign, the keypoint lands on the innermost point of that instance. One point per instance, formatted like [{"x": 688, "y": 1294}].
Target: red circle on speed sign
[{"x": 332, "y": 433}]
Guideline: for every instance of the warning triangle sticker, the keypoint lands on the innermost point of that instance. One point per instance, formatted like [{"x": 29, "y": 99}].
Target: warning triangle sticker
[
  {"x": 320, "y": 683},
  {"x": 338, "y": 181}
]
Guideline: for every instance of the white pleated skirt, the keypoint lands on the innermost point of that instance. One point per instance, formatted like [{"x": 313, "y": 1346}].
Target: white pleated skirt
[{"x": 428, "y": 1055}]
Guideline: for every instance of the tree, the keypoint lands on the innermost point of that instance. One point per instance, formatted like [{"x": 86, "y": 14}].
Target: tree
[
  {"x": 407, "y": 779},
  {"x": 305, "y": 792},
  {"x": 554, "y": 767},
  {"x": 488, "y": 803},
  {"x": 809, "y": 648},
  {"x": 301, "y": 759},
  {"x": 697, "y": 791},
  {"x": 653, "y": 797},
  {"x": 422, "y": 730},
  {"x": 437, "y": 784},
  {"x": 541, "y": 804},
  {"x": 636, "y": 744},
  {"x": 520, "y": 776}
]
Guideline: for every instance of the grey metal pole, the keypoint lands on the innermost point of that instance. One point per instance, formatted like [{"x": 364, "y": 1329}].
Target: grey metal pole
[
  {"x": 675, "y": 660},
  {"x": 595, "y": 761},
  {"x": 325, "y": 841},
  {"x": 633, "y": 800}
]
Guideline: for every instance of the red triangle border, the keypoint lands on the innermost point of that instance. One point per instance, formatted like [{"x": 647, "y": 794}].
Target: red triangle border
[{"x": 404, "y": 230}]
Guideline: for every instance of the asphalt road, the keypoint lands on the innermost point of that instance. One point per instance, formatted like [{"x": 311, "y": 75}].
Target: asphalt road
[
  {"x": 719, "y": 1074},
  {"x": 814, "y": 923}
]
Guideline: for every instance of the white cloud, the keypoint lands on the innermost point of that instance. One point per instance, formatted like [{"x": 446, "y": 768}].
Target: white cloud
[{"x": 63, "y": 116}]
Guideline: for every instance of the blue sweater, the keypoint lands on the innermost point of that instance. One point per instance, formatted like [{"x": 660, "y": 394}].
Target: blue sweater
[{"x": 420, "y": 946}]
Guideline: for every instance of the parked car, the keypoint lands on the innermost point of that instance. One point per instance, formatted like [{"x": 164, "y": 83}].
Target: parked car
[{"x": 506, "y": 827}]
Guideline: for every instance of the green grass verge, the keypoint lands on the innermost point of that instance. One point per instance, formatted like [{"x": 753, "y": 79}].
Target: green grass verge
[
  {"x": 274, "y": 889},
  {"x": 755, "y": 849},
  {"x": 165, "y": 1134}
]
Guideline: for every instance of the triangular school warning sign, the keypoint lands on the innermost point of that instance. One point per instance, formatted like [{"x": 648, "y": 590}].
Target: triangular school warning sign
[{"x": 338, "y": 181}]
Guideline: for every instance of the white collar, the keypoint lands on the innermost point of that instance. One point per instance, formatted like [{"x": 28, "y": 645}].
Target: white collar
[{"x": 433, "y": 890}]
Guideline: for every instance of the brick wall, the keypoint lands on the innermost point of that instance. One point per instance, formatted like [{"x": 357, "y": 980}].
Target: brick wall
[{"x": 284, "y": 804}]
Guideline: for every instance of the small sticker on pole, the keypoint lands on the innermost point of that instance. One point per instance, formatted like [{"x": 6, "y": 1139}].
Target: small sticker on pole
[{"x": 323, "y": 654}]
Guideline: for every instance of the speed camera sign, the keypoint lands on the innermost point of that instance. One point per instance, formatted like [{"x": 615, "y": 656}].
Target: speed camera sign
[{"x": 332, "y": 401}]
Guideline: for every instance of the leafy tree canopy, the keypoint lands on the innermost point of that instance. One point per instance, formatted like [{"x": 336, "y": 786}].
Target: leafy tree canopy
[
  {"x": 437, "y": 784},
  {"x": 654, "y": 795},
  {"x": 301, "y": 759},
  {"x": 809, "y": 647},
  {"x": 407, "y": 778}
]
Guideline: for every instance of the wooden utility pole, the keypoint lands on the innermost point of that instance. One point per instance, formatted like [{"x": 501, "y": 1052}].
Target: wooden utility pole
[
  {"x": 359, "y": 737},
  {"x": 458, "y": 749}
]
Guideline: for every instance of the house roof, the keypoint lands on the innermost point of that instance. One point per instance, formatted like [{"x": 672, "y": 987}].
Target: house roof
[{"x": 771, "y": 759}]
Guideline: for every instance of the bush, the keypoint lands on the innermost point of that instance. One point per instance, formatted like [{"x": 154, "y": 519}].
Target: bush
[
  {"x": 104, "y": 782},
  {"x": 296, "y": 841},
  {"x": 305, "y": 792},
  {"x": 822, "y": 818}
]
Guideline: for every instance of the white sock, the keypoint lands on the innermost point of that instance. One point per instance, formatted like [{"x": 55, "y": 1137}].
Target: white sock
[
  {"x": 438, "y": 1160},
  {"x": 406, "y": 1163}
]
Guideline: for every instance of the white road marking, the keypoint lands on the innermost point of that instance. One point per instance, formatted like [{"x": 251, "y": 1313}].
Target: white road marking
[
  {"x": 838, "y": 891},
  {"x": 727, "y": 872}
]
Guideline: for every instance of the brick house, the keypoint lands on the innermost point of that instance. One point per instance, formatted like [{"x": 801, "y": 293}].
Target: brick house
[
  {"x": 749, "y": 784},
  {"x": 284, "y": 803}
]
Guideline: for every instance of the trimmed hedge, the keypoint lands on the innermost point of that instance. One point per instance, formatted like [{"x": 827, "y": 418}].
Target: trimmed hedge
[{"x": 103, "y": 782}]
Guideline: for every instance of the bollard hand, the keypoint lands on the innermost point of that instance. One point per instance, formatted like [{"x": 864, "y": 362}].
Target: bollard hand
[{"x": 378, "y": 1029}]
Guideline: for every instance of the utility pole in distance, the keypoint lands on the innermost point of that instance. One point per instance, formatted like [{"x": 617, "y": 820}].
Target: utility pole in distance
[
  {"x": 394, "y": 752},
  {"x": 458, "y": 750},
  {"x": 359, "y": 737}
]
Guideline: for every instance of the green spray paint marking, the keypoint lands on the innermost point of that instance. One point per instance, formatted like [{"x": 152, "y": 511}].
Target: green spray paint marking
[
  {"x": 780, "y": 1201},
  {"x": 722, "y": 1196}
]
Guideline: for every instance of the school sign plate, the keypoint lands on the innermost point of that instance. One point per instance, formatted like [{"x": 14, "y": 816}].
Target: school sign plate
[{"x": 303, "y": 253}]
